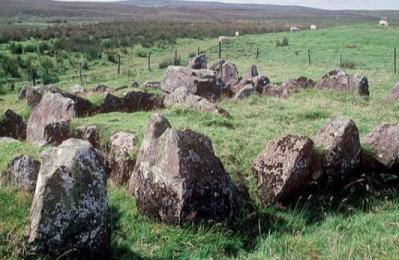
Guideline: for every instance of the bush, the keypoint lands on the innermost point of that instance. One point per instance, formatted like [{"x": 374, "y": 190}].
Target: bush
[
  {"x": 16, "y": 48},
  {"x": 112, "y": 57},
  {"x": 283, "y": 43},
  {"x": 44, "y": 48},
  {"x": 30, "y": 48},
  {"x": 9, "y": 66},
  {"x": 141, "y": 53}
]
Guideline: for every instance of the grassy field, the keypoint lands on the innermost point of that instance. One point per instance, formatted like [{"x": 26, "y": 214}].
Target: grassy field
[{"x": 359, "y": 226}]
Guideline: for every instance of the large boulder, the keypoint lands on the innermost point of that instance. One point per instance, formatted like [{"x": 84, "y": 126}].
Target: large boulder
[
  {"x": 198, "y": 62},
  {"x": 340, "y": 81},
  {"x": 384, "y": 145},
  {"x": 339, "y": 138},
  {"x": 251, "y": 73},
  {"x": 245, "y": 92},
  {"x": 178, "y": 178},
  {"x": 298, "y": 84},
  {"x": 57, "y": 132},
  {"x": 225, "y": 71},
  {"x": 131, "y": 102},
  {"x": 12, "y": 125},
  {"x": 183, "y": 97},
  {"x": 199, "y": 82},
  {"x": 286, "y": 169},
  {"x": 53, "y": 108},
  {"x": 21, "y": 173},
  {"x": 70, "y": 207},
  {"x": 120, "y": 162},
  {"x": 89, "y": 133},
  {"x": 393, "y": 95}
]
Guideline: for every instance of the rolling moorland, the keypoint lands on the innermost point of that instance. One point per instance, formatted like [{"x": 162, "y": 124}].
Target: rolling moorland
[{"x": 359, "y": 222}]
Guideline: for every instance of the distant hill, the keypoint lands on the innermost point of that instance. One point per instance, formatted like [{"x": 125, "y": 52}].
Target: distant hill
[{"x": 173, "y": 10}]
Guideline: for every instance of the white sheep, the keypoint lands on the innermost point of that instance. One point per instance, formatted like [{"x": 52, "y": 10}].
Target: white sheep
[
  {"x": 313, "y": 27},
  {"x": 295, "y": 29},
  {"x": 383, "y": 23},
  {"x": 237, "y": 33}
]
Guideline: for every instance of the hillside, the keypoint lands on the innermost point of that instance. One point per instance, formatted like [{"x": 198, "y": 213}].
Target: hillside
[{"x": 47, "y": 10}]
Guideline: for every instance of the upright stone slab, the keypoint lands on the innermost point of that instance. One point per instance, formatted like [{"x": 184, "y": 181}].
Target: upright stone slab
[
  {"x": 286, "y": 169},
  {"x": 339, "y": 138},
  {"x": 178, "y": 178},
  {"x": 70, "y": 208},
  {"x": 12, "y": 125},
  {"x": 53, "y": 107}
]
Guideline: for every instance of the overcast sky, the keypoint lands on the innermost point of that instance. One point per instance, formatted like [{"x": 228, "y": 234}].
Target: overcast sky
[{"x": 325, "y": 4}]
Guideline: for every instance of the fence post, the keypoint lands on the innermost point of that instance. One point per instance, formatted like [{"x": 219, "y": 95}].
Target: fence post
[
  {"x": 257, "y": 53},
  {"x": 34, "y": 77},
  {"x": 119, "y": 64},
  {"x": 149, "y": 60},
  {"x": 340, "y": 61},
  {"x": 80, "y": 73},
  {"x": 198, "y": 53},
  {"x": 310, "y": 63},
  {"x": 220, "y": 50},
  {"x": 394, "y": 60},
  {"x": 175, "y": 61}
]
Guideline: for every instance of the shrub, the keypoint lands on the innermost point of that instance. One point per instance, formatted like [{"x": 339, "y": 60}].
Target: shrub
[
  {"x": 10, "y": 66},
  {"x": 169, "y": 61},
  {"x": 30, "y": 48},
  {"x": 283, "y": 43},
  {"x": 112, "y": 57},
  {"x": 141, "y": 53},
  {"x": 16, "y": 48}
]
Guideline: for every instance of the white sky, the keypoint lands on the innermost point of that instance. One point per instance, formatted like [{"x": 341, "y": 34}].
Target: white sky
[{"x": 325, "y": 4}]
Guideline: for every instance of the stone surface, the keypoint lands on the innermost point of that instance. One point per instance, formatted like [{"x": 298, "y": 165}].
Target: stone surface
[
  {"x": 89, "y": 133},
  {"x": 198, "y": 62},
  {"x": 21, "y": 173},
  {"x": 245, "y": 92},
  {"x": 131, "y": 102},
  {"x": 384, "y": 144},
  {"x": 53, "y": 107},
  {"x": 120, "y": 162},
  {"x": 57, "y": 132},
  {"x": 339, "y": 138},
  {"x": 12, "y": 125},
  {"x": 298, "y": 84},
  {"x": 77, "y": 89},
  {"x": 178, "y": 178},
  {"x": 286, "y": 169},
  {"x": 340, "y": 81},
  {"x": 70, "y": 206},
  {"x": 100, "y": 89},
  {"x": 199, "y": 82},
  {"x": 183, "y": 97},
  {"x": 251, "y": 73},
  {"x": 152, "y": 84}
]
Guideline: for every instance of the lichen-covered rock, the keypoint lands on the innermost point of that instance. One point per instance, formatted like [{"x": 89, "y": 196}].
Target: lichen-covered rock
[
  {"x": 120, "y": 162},
  {"x": 298, "y": 84},
  {"x": 286, "y": 169},
  {"x": 21, "y": 173},
  {"x": 384, "y": 144},
  {"x": 178, "y": 178},
  {"x": 339, "y": 138},
  {"x": 131, "y": 102},
  {"x": 199, "y": 82},
  {"x": 245, "y": 92},
  {"x": 12, "y": 125},
  {"x": 53, "y": 108},
  {"x": 152, "y": 84},
  {"x": 185, "y": 98},
  {"x": 339, "y": 80},
  {"x": 57, "y": 132},
  {"x": 77, "y": 89},
  {"x": 198, "y": 62},
  {"x": 70, "y": 206}
]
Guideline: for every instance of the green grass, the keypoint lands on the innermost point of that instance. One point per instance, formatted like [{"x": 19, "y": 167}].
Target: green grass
[{"x": 359, "y": 227}]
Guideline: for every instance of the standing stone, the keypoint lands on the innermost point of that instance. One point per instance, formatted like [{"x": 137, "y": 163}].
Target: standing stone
[
  {"x": 183, "y": 97},
  {"x": 119, "y": 159},
  {"x": 340, "y": 81},
  {"x": 12, "y": 125},
  {"x": 245, "y": 92},
  {"x": 198, "y": 62},
  {"x": 178, "y": 178},
  {"x": 340, "y": 139},
  {"x": 21, "y": 173},
  {"x": 251, "y": 73},
  {"x": 53, "y": 107},
  {"x": 199, "y": 82},
  {"x": 286, "y": 169},
  {"x": 70, "y": 207},
  {"x": 384, "y": 144}
]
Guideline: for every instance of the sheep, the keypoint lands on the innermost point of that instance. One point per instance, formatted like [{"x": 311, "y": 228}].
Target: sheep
[
  {"x": 313, "y": 27},
  {"x": 224, "y": 39},
  {"x": 295, "y": 29},
  {"x": 237, "y": 33},
  {"x": 383, "y": 23}
]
